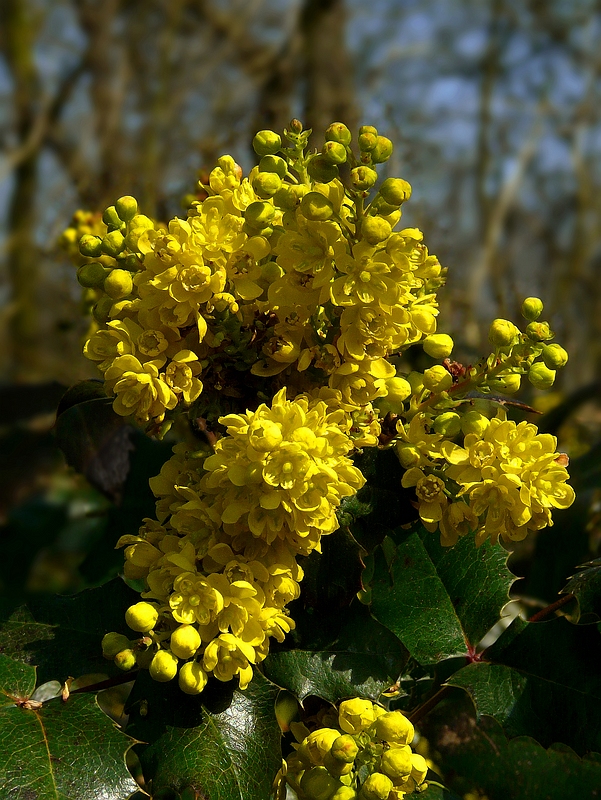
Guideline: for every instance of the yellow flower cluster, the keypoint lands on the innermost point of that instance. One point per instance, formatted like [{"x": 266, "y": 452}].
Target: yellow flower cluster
[
  {"x": 362, "y": 752},
  {"x": 287, "y": 272},
  {"x": 220, "y": 564},
  {"x": 503, "y": 482}
]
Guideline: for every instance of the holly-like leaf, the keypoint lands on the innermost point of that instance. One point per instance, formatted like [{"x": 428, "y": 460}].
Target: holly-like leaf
[
  {"x": 222, "y": 745},
  {"x": 543, "y": 680},
  {"x": 62, "y": 635},
  {"x": 57, "y": 750},
  {"x": 438, "y": 601},
  {"x": 364, "y": 659},
  {"x": 586, "y": 586},
  {"x": 479, "y": 756}
]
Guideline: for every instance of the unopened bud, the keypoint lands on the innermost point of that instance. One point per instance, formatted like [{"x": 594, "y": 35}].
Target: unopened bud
[
  {"x": 554, "y": 356},
  {"x": 355, "y": 715},
  {"x": 377, "y": 786},
  {"x": 126, "y": 207},
  {"x": 540, "y": 376},
  {"x": 363, "y": 178},
  {"x": 102, "y": 310},
  {"x": 419, "y": 768},
  {"x": 539, "y": 331},
  {"x": 113, "y": 643},
  {"x": 447, "y": 424},
  {"x": 532, "y": 308},
  {"x": 345, "y": 748},
  {"x": 382, "y": 151},
  {"x": 111, "y": 218},
  {"x": 90, "y": 245},
  {"x": 118, "y": 284},
  {"x": 113, "y": 243},
  {"x": 438, "y": 345},
  {"x": 474, "y": 422},
  {"x": 185, "y": 641},
  {"x": 503, "y": 333},
  {"x": 375, "y": 229},
  {"x": 395, "y": 191},
  {"x": 141, "y": 617},
  {"x": 273, "y": 164},
  {"x": 338, "y": 132},
  {"x": 395, "y": 728},
  {"x": 266, "y": 143},
  {"x": 163, "y": 666},
  {"x": 290, "y": 195},
  {"x": 266, "y": 184},
  {"x": 259, "y": 214},
  {"x": 192, "y": 678},
  {"x": 396, "y": 763},
  {"x": 314, "y": 206},
  {"x": 318, "y": 784},
  {"x": 322, "y": 170},
  {"x": 437, "y": 379},
  {"x": 92, "y": 275},
  {"x": 125, "y": 660},
  {"x": 334, "y": 152}
]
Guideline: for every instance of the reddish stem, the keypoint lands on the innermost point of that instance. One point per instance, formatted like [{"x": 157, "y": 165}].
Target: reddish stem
[{"x": 550, "y": 609}]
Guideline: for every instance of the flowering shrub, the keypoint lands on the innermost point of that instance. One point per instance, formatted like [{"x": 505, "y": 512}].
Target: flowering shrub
[{"x": 284, "y": 339}]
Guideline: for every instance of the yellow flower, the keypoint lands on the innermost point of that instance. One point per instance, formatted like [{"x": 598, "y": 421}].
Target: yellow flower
[
  {"x": 227, "y": 656},
  {"x": 429, "y": 490},
  {"x": 139, "y": 390}
]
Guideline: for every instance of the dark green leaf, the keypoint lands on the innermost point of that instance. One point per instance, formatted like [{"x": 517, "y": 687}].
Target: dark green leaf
[
  {"x": 480, "y": 757},
  {"x": 364, "y": 659},
  {"x": 439, "y": 601},
  {"x": 545, "y": 682},
  {"x": 59, "y": 751},
  {"x": 231, "y": 752},
  {"x": 62, "y": 635},
  {"x": 333, "y": 577},
  {"x": 586, "y": 586}
]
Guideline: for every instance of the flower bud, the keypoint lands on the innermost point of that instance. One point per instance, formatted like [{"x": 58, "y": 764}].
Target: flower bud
[
  {"x": 92, "y": 275},
  {"x": 102, "y": 310},
  {"x": 474, "y": 422},
  {"x": 540, "y": 376},
  {"x": 338, "y": 132},
  {"x": 438, "y": 345},
  {"x": 508, "y": 383},
  {"x": 266, "y": 184},
  {"x": 363, "y": 178},
  {"x": 344, "y": 793},
  {"x": 395, "y": 728},
  {"x": 334, "y": 152},
  {"x": 274, "y": 164},
  {"x": 111, "y": 218},
  {"x": 382, "y": 151},
  {"x": 126, "y": 207},
  {"x": 90, "y": 245},
  {"x": 532, "y": 308},
  {"x": 113, "y": 643},
  {"x": 419, "y": 768},
  {"x": 396, "y": 763},
  {"x": 503, "y": 333},
  {"x": 355, "y": 715},
  {"x": 163, "y": 666},
  {"x": 141, "y": 617},
  {"x": 290, "y": 195},
  {"x": 554, "y": 356},
  {"x": 395, "y": 191},
  {"x": 335, "y": 767},
  {"x": 367, "y": 141},
  {"x": 314, "y": 206},
  {"x": 118, "y": 284},
  {"x": 416, "y": 381},
  {"x": 318, "y": 784},
  {"x": 447, "y": 424},
  {"x": 538, "y": 331},
  {"x": 437, "y": 379},
  {"x": 375, "y": 229},
  {"x": 113, "y": 243},
  {"x": 377, "y": 786},
  {"x": 192, "y": 678},
  {"x": 185, "y": 641},
  {"x": 408, "y": 454},
  {"x": 398, "y": 390},
  {"x": 318, "y": 743},
  {"x": 267, "y": 143},
  {"x": 125, "y": 659},
  {"x": 259, "y": 214},
  {"x": 322, "y": 170},
  {"x": 344, "y": 748}
]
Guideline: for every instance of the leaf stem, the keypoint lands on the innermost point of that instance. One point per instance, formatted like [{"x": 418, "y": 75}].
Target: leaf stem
[{"x": 550, "y": 609}]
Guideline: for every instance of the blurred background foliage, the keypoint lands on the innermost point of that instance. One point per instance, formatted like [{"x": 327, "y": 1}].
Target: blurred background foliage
[{"x": 494, "y": 108}]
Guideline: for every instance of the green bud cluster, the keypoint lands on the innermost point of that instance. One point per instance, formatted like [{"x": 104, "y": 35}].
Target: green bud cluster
[{"x": 366, "y": 756}]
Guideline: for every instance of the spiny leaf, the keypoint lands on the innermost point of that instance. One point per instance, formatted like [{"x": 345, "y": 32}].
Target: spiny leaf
[
  {"x": 59, "y": 751},
  {"x": 438, "y": 601}
]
